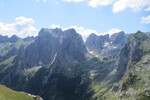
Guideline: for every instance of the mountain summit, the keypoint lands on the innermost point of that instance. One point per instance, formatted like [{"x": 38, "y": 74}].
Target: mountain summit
[{"x": 59, "y": 65}]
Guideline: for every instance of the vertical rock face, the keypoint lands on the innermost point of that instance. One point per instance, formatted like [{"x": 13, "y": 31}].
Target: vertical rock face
[
  {"x": 29, "y": 38},
  {"x": 68, "y": 45},
  {"x": 72, "y": 51},
  {"x": 72, "y": 47},
  {"x": 96, "y": 43},
  {"x": 56, "y": 64},
  {"x": 54, "y": 79},
  {"x": 3, "y": 39},
  {"x": 106, "y": 45},
  {"x": 132, "y": 52},
  {"x": 43, "y": 49},
  {"x": 118, "y": 39},
  {"x": 12, "y": 39},
  {"x": 132, "y": 68}
]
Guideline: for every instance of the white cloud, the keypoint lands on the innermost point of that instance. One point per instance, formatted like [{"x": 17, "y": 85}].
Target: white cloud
[
  {"x": 42, "y": 0},
  {"x": 112, "y": 31},
  {"x": 146, "y": 19},
  {"x": 22, "y": 27},
  {"x": 120, "y": 5},
  {"x": 55, "y": 26},
  {"x": 73, "y": 0},
  {"x": 147, "y": 9},
  {"x": 136, "y": 5},
  {"x": 96, "y": 3},
  {"x": 79, "y": 29},
  {"x": 84, "y": 32}
]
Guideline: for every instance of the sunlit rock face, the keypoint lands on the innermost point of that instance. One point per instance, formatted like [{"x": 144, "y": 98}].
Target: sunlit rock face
[
  {"x": 105, "y": 45},
  {"x": 43, "y": 48},
  {"x": 59, "y": 65}
]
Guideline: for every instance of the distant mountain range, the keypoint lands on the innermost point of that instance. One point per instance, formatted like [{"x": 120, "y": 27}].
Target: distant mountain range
[{"x": 59, "y": 65}]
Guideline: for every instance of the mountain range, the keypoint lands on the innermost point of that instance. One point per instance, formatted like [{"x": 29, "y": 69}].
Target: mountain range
[{"x": 59, "y": 65}]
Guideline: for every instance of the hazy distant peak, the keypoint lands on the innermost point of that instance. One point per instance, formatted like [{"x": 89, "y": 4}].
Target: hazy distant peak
[
  {"x": 54, "y": 32},
  {"x": 113, "y": 31}
]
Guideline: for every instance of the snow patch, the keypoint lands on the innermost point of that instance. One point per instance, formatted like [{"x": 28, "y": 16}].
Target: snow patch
[{"x": 106, "y": 44}]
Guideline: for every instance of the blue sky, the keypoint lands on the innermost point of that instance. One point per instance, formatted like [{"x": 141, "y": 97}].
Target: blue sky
[{"x": 27, "y": 17}]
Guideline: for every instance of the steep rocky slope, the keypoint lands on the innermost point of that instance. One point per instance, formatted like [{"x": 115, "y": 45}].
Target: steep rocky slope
[
  {"x": 133, "y": 70},
  {"x": 106, "y": 45},
  {"x": 57, "y": 65},
  {"x": 52, "y": 52}
]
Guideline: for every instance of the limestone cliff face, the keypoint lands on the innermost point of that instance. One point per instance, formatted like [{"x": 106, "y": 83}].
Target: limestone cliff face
[
  {"x": 72, "y": 47},
  {"x": 132, "y": 52},
  {"x": 12, "y": 39},
  {"x": 118, "y": 39},
  {"x": 50, "y": 42},
  {"x": 105, "y": 45},
  {"x": 57, "y": 65},
  {"x": 96, "y": 43},
  {"x": 133, "y": 69},
  {"x": 43, "y": 49}
]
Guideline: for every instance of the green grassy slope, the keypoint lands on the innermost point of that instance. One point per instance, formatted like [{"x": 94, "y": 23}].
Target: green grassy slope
[
  {"x": 135, "y": 84},
  {"x": 8, "y": 94}
]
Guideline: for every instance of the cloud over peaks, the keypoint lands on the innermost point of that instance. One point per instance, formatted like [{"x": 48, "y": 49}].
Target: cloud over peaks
[
  {"x": 136, "y": 5},
  {"x": 80, "y": 29},
  {"x": 146, "y": 19},
  {"x": 22, "y": 27},
  {"x": 85, "y": 32},
  {"x": 42, "y": 0},
  {"x": 96, "y": 3},
  {"x": 73, "y": 0}
]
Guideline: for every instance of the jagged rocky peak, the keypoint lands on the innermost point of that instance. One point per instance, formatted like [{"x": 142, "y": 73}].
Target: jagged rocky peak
[
  {"x": 51, "y": 42},
  {"x": 3, "y": 38},
  {"x": 14, "y": 38},
  {"x": 54, "y": 32},
  {"x": 105, "y": 44},
  {"x": 29, "y": 38},
  {"x": 71, "y": 32},
  {"x": 54, "y": 65},
  {"x": 95, "y": 38},
  {"x": 72, "y": 46},
  {"x": 133, "y": 50},
  {"x": 118, "y": 38},
  {"x": 96, "y": 43},
  {"x": 43, "y": 49},
  {"x": 92, "y": 35}
]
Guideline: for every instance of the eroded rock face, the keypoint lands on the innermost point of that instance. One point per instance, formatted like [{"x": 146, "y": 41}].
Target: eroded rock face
[
  {"x": 118, "y": 39},
  {"x": 72, "y": 47},
  {"x": 96, "y": 43},
  {"x": 56, "y": 64},
  {"x": 51, "y": 44},
  {"x": 131, "y": 53},
  {"x": 29, "y": 38},
  {"x": 106, "y": 45},
  {"x": 3, "y": 39},
  {"x": 43, "y": 49},
  {"x": 62, "y": 69},
  {"x": 12, "y": 39}
]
